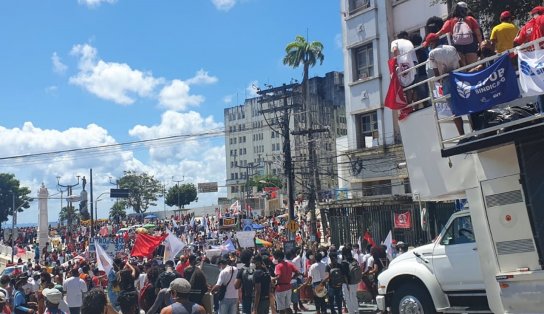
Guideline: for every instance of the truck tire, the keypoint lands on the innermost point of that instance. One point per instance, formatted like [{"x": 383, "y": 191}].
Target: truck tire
[{"x": 413, "y": 299}]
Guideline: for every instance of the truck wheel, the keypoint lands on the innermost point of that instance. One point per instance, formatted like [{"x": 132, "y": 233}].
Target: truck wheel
[{"x": 412, "y": 299}]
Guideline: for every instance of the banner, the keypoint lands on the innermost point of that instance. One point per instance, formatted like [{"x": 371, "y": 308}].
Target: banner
[
  {"x": 395, "y": 98},
  {"x": 388, "y": 242},
  {"x": 246, "y": 238},
  {"x": 531, "y": 74},
  {"x": 403, "y": 220},
  {"x": 111, "y": 246},
  {"x": 145, "y": 245},
  {"x": 479, "y": 91}
]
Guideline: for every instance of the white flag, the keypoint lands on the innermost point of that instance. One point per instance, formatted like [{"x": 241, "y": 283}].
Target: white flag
[
  {"x": 531, "y": 72},
  {"x": 172, "y": 246},
  {"x": 103, "y": 260},
  {"x": 388, "y": 242},
  {"x": 174, "y": 224}
]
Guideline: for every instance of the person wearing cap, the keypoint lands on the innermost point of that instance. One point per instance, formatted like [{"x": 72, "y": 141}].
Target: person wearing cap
[
  {"x": 443, "y": 59},
  {"x": 19, "y": 300},
  {"x": 227, "y": 277},
  {"x": 532, "y": 30},
  {"x": 180, "y": 289},
  {"x": 467, "y": 52},
  {"x": 53, "y": 297},
  {"x": 503, "y": 35}
]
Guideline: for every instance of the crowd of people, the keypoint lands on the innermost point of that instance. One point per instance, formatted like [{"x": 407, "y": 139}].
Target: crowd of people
[
  {"x": 465, "y": 44},
  {"x": 64, "y": 277}
]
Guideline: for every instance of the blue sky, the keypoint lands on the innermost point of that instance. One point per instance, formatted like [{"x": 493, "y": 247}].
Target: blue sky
[{"x": 94, "y": 72}]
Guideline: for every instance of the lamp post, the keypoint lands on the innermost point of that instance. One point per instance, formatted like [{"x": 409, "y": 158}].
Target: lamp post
[
  {"x": 96, "y": 203},
  {"x": 69, "y": 188}
]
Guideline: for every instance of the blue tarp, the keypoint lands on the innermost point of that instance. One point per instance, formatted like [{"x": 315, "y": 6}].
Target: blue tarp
[{"x": 257, "y": 226}]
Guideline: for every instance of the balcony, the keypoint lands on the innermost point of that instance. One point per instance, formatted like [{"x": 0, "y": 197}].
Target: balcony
[{"x": 495, "y": 125}]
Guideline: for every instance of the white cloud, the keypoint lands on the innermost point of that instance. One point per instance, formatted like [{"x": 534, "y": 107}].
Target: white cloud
[
  {"x": 201, "y": 77},
  {"x": 227, "y": 99},
  {"x": 176, "y": 96},
  {"x": 251, "y": 89},
  {"x": 224, "y": 5},
  {"x": 51, "y": 89},
  {"x": 113, "y": 81},
  {"x": 58, "y": 66},
  {"x": 95, "y": 3}
]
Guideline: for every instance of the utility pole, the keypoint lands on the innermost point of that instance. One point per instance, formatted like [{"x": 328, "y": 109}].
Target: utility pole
[
  {"x": 283, "y": 93},
  {"x": 13, "y": 218}
]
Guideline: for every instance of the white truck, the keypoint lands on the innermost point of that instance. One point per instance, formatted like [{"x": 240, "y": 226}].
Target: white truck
[{"x": 488, "y": 258}]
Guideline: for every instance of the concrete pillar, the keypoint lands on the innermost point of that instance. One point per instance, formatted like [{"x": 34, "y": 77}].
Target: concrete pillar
[{"x": 43, "y": 221}]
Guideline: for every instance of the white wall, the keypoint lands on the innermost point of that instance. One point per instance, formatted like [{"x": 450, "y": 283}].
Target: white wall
[{"x": 405, "y": 11}]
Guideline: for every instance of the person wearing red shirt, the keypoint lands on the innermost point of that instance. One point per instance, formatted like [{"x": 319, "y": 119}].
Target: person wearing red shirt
[
  {"x": 533, "y": 29},
  {"x": 284, "y": 272},
  {"x": 468, "y": 53}
]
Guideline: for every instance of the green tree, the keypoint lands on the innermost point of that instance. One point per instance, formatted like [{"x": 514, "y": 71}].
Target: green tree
[
  {"x": 181, "y": 195},
  {"x": 297, "y": 53},
  {"x": 9, "y": 185},
  {"x": 265, "y": 181},
  {"x": 143, "y": 190},
  {"x": 118, "y": 212},
  {"x": 489, "y": 11},
  {"x": 69, "y": 214}
]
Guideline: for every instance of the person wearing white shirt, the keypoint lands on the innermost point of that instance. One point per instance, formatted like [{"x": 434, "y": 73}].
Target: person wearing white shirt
[
  {"x": 227, "y": 277},
  {"x": 74, "y": 288},
  {"x": 316, "y": 275}
]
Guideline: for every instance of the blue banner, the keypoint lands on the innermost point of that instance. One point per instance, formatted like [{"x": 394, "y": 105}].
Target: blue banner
[{"x": 479, "y": 91}]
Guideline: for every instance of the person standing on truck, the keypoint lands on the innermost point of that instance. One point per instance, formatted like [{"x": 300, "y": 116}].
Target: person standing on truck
[
  {"x": 503, "y": 34},
  {"x": 443, "y": 59}
]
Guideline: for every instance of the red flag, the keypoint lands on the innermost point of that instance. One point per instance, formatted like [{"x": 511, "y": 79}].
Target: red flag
[
  {"x": 20, "y": 252},
  {"x": 145, "y": 244},
  {"x": 395, "y": 98},
  {"x": 368, "y": 238},
  {"x": 403, "y": 220}
]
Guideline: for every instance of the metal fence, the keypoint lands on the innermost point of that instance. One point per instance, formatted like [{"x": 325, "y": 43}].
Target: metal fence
[{"x": 348, "y": 224}]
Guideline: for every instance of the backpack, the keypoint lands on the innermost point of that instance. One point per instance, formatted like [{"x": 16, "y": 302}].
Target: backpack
[
  {"x": 462, "y": 34},
  {"x": 247, "y": 281},
  {"x": 355, "y": 273},
  {"x": 148, "y": 288},
  {"x": 336, "y": 277}
]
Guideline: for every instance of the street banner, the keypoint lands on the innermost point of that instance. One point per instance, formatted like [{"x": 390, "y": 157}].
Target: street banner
[
  {"x": 531, "y": 74},
  {"x": 403, "y": 220},
  {"x": 478, "y": 91},
  {"x": 111, "y": 246}
]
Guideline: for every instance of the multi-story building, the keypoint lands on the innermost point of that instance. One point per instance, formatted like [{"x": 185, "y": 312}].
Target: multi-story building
[
  {"x": 372, "y": 151},
  {"x": 254, "y": 144}
]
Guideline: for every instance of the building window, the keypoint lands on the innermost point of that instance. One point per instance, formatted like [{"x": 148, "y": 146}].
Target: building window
[
  {"x": 367, "y": 129},
  {"x": 407, "y": 187},
  {"x": 364, "y": 62},
  {"x": 374, "y": 188},
  {"x": 358, "y": 5}
]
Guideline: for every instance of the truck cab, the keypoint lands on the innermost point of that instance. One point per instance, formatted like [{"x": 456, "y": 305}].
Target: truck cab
[{"x": 442, "y": 275}]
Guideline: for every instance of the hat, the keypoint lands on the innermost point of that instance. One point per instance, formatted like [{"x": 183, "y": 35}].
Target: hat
[
  {"x": 505, "y": 15},
  {"x": 431, "y": 37},
  {"x": 52, "y": 295},
  {"x": 537, "y": 10},
  {"x": 2, "y": 297},
  {"x": 59, "y": 287},
  {"x": 462, "y": 4},
  {"x": 180, "y": 285}
]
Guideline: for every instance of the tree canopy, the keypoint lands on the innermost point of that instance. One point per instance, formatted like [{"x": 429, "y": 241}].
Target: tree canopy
[
  {"x": 181, "y": 195},
  {"x": 265, "y": 181},
  {"x": 117, "y": 211},
  {"x": 9, "y": 185},
  {"x": 143, "y": 190},
  {"x": 302, "y": 52},
  {"x": 68, "y": 214}
]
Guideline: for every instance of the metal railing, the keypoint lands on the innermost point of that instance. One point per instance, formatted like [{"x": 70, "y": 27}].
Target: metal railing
[{"x": 435, "y": 99}]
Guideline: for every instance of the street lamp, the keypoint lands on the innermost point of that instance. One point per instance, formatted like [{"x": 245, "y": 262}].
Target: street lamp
[
  {"x": 96, "y": 204},
  {"x": 68, "y": 190}
]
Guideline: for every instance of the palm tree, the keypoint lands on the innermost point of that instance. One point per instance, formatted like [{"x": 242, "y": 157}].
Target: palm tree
[
  {"x": 118, "y": 212},
  {"x": 307, "y": 54},
  {"x": 68, "y": 214}
]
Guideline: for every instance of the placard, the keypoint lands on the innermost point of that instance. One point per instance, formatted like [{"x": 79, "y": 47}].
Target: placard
[
  {"x": 246, "y": 238},
  {"x": 112, "y": 246}
]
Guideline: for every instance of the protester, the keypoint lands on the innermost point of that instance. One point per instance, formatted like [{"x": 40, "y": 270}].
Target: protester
[
  {"x": 74, "y": 288},
  {"x": 503, "y": 35},
  {"x": 228, "y": 298},
  {"x": 465, "y": 33},
  {"x": 179, "y": 290},
  {"x": 532, "y": 29},
  {"x": 262, "y": 281},
  {"x": 52, "y": 299},
  {"x": 4, "y": 307},
  {"x": 284, "y": 272}
]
